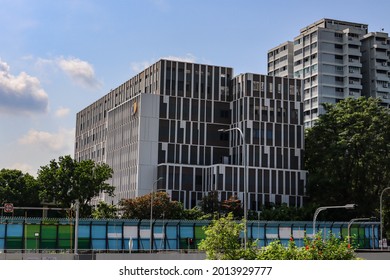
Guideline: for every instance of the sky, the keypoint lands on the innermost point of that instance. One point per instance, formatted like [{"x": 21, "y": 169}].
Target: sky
[{"x": 57, "y": 57}]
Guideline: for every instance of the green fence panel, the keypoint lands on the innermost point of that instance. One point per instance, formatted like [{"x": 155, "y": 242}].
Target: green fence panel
[
  {"x": 65, "y": 236},
  {"x": 84, "y": 243},
  {"x": 14, "y": 243}
]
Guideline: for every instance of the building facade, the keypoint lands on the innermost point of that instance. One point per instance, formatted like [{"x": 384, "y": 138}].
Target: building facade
[
  {"x": 376, "y": 66},
  {"x": 336, "y": 60},
  {"x": 165, "y": 122},
  {"x": 281, "y": 60}
]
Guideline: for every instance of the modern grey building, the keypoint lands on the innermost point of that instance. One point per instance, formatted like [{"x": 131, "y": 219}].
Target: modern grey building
[{"x": 165, "y": 122}]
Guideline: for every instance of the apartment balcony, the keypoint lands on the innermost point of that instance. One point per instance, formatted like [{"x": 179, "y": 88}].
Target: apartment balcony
[
  {"x": 381, "y": 55},
  {"x": 352, "y": 51},
  {"x": 354, "y": 74},
  {"x": 382, "y": 77},
  {"x": 354, "y": 94},
  {"x": 355, "y": 85},
  {"x": 348, "y": 39},
  {"x": 383, "y": 88},
  {"x": 382, "y": 65},
  {"x": 354, "y": 62}
]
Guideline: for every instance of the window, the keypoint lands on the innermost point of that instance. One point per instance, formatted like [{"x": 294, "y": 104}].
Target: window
[
  {"x": 338, "y": 46},
  {"x": 297, "y": 42}
]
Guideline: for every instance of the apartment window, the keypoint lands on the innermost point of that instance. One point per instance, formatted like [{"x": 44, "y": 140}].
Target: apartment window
[
  {"x": 338, "y": 46},
  {"x": 338, "y": 35},
  {"x": 339, "y": 79},
  {"x": 354, "y": 69},
  {"x": 338, "y": 57},
  {"x": 297, "y": 52},
  {"x": 270, "y": 87},
  {"x": 339, "y": 90},
  {"x": 339, "y": 68},
  {"x": 297, "y": 42},
  {"x": 256, "y": 86},
  {"x": 351, "y": 46}
]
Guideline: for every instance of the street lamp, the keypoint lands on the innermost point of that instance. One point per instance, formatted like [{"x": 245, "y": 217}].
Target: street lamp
[
  {"x": 76, "y": 228},
  {"x": 151, "y": 211},
  {"x": 380, "y": 213},
  {"x": 245, "y": 178},
  {"x": 355, "y": 220},
  {"x": 36, "y": 234},
  {"x": 347, "y": 206}
]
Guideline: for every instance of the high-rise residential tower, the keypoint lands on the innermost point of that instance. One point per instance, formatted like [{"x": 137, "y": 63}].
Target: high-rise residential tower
[
  {"x": 376, "y": 66},
  {"x": 328, "y": 58}
]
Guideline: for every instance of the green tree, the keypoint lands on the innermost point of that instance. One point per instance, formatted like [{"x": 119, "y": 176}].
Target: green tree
[
  {"x": 18, "y": 188},
  {"x": 210, "y": 203},
  {"x": 105, "y": 211},
  {"x": 68, "y": 180},
  {"x": 223, "y": 240},
  {"x": 347, "y": 154},
  {"x": 163, "y": 207}
]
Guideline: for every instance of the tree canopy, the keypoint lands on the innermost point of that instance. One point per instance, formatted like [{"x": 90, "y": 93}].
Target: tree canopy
[
  {"x": 68, "y": 180},
  {"x": 18, "y": 188},
  {"x": 347, "y": 154},
  {"x": 163, "y": 207}
]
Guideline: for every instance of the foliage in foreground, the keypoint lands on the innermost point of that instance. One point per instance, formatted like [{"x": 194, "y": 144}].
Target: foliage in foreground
[
  {"x": 223, "y": 242},
  {"x": 315, "y": 249}
]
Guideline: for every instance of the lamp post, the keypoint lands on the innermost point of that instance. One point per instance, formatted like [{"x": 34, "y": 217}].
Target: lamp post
[
  {"x": 245, "y": 178},
  {"x": 36, "y": 234},
  {"x": 76, "y": 228},
  {"x": 347, "y": 206},
  {"x": 380, "y": 213},
  {"x": 151, "y": 212},
  {"x": 350, "y": 224}
]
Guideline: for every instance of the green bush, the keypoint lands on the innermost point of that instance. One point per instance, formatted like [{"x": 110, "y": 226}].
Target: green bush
[
  {"x": 223, "y": 242},
  {"x": 315, "y": 249}
]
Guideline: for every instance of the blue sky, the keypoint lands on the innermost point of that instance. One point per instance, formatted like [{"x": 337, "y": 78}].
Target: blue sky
[{"x": 57, "y": 57}]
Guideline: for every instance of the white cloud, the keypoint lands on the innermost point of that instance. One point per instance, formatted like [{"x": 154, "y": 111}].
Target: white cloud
[
  {"x": 187, "y": 58},
  {"x": 62, "y": 112},
  {"x": 137, "y": 67},
  {"x": 81, "y": 72},
  {"x": 21, "y": 94},
  {"x": 61, "y": 141},
  {"x": 24, "y": 167}
]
